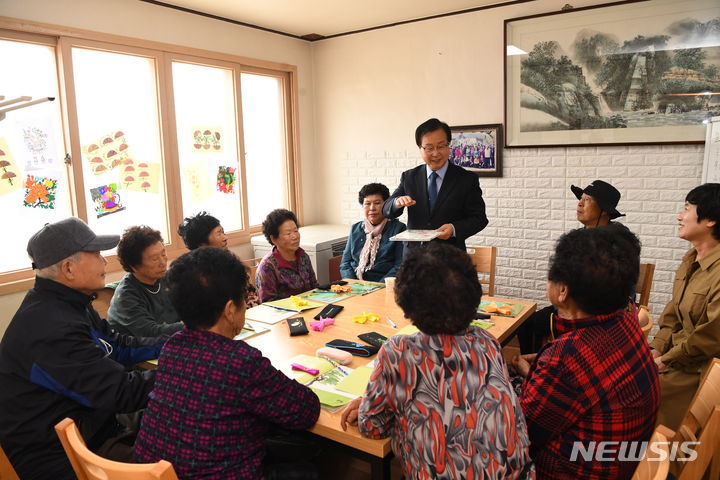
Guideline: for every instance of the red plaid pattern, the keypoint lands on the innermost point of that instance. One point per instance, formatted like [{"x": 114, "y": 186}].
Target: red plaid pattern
[{"x": 596, "y": 382}]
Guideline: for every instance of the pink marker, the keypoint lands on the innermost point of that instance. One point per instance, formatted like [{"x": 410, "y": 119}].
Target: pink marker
[{"x": 303, "y": 368}]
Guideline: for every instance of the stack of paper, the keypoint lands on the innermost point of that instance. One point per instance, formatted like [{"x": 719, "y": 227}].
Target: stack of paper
[
  {"x": 289, "y": 305},
  {"x": 415, "y": 236},
  {"x": 335, "y": 385},
  {"x": 266, "y": 314},
  {"x": 358, "y": 287},
  {"x": 500, "y": 309},
  {"x": 250, "y": 330}
]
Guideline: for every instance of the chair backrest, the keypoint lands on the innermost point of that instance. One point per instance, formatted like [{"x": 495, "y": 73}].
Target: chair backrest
[
  {"x": 7, "y": 472},
  {"x": 643, "y": 312},
  {"x": 707, "y": 449},
  {"x": 89, "y": 466},
  {"x": 702, "y": 423},
  {"x": 705, "y": 399},
  {"x": 655, "y": 464},
  {"x": 252, "y": 265},
  {"x": 101, "y": 304},
  {"x": 484, "y": 260},
  {"x": 334, "y": 268},
  {"x": 644, "y": 284}
]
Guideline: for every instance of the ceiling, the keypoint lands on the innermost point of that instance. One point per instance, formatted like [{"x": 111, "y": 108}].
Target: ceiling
[{"x": 312, "y": 18}]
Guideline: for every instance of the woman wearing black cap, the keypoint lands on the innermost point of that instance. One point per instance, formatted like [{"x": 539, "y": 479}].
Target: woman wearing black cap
[{"x": 597, "y": 207}]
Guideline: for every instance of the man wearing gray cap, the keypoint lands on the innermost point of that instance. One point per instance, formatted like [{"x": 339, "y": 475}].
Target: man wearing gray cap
[{"x": 59, "y": 359}]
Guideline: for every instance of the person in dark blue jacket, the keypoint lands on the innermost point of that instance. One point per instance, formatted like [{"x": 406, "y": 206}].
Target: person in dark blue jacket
[
  {"x": 59, "y": 359},
  {"x": 369, "y": 253}
]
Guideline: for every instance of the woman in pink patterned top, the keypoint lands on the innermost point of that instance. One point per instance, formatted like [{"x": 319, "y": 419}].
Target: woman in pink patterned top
[
  {"x": 216, "y": 400},
  {"x": 443, "y": 394},
  {"x": 286, "y": 270}
]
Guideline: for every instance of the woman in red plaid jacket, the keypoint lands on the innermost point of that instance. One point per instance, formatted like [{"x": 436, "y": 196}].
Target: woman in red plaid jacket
[{"x": 595, "y": 381}]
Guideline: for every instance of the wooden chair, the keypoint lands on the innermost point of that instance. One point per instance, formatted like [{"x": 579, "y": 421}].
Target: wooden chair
[
  {"x": 701, "y": 424},
  {"x": 89, "y": 466},
  {"x": 252, "y": 265},
  {"x": 334, "y": 269},
  {"x": 101, "y": 304},
  {"x": 643, "y": 312},
  {"x": 484, "y": 260},
  {"x": 7, "y": 472},
  {"x": 651, "y": 467},
  {"x": 644, "y": 284}
]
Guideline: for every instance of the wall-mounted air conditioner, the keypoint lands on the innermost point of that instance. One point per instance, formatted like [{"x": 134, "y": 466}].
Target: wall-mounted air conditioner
[{"x": 320, "y": 242}]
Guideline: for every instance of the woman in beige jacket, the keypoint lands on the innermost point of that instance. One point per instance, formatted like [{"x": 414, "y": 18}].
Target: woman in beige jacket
[{"x": 689, "y": 335}]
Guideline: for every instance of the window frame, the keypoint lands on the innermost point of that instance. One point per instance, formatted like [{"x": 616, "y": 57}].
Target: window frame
[{"x": 63, "y": 39}]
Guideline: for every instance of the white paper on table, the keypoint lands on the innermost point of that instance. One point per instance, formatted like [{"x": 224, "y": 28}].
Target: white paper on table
[{"x": 265, "y": 314}]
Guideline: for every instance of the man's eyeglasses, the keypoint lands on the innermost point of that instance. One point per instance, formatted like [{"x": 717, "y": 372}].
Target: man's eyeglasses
[{"x": 432, "y": 148}]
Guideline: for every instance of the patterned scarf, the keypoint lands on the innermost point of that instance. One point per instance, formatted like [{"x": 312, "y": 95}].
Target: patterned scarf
[{"x": 373, "y": 234}]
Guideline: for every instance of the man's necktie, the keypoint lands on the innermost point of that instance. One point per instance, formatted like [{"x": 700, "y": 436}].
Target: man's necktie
[{"x": 432, "y": 189}]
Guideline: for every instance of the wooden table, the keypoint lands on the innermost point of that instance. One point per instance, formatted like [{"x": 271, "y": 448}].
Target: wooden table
[{"x": 279, "y": 347}]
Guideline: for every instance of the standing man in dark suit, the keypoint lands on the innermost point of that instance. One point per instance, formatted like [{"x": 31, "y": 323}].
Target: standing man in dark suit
[{"x": 439, "y": 195}]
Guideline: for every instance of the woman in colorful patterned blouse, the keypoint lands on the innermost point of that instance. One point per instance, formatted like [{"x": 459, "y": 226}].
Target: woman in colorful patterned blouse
[
  {"x": 443, "y": 394},
  {"x": 596, "y": 381},
  {"x": 216, "y": 399},
  {"x": 286, "y": 270}
]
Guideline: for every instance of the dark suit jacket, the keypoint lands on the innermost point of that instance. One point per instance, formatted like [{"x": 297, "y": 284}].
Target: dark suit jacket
[{"x": 459, "y": 202}]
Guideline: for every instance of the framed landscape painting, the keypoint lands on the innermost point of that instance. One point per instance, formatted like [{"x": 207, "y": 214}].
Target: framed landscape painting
[
  {"x": 632, "y": 72},
  {"x": 478, "y": 148}
]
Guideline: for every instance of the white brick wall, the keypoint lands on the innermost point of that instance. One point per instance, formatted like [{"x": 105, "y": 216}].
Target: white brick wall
[{"x": 531, "y": 205}]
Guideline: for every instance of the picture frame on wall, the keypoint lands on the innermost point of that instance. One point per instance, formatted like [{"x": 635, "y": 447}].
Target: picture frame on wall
[
  {"x": 478, "y": 148},
  {"x": 631, "y": 72}
]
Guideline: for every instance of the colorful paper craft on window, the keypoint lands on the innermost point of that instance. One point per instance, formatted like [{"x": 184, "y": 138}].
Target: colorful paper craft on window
[
  {"x": 107, "y": 153},
  {"x": 139, "y": 176},
  {"x": 226, "y": 179},
  {"x": 10, "y": 180},
  {"x": 39, "y": 142},
  {"x": 198, "y": 180},
  {"x": 106, "y": 199},
  {"x": 40, "y": 192},
  {"x": 207, "y": 140}
]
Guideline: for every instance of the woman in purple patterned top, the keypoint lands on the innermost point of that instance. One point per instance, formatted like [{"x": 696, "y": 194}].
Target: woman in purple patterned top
[
  {"x": 286, "y": 270},
  {"x": 443, "y": 394},
  {"x": 215, "y": 399}
]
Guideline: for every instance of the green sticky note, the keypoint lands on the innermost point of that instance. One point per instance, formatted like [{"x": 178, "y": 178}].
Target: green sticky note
[
  {"x": 356, "y": 382},
  {"x": 330, "y": 399}
]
